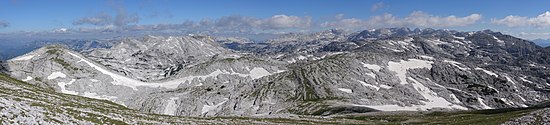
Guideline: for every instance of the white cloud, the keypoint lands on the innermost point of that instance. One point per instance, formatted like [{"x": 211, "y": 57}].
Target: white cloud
[
  {"x": 542, "y": 20},
  {"x": 284, "y": 21},
  {"x": 415, "y": 19},
  {"x": 377, "y": 6}
]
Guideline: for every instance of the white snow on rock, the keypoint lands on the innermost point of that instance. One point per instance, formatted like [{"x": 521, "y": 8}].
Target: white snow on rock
[
  {"x": 55, "y": 75},
  {"x": 207, "y": 108},
  {"x": 27, "y": 79},
  {"x": 367, "y": 85},
  {"x": 23, "y": 58},
  {"x": 456, "y": 64},
  {"x": 487, "y": 71},
  {"x": 96, "y": 96},
  {"x": 462, "y": 38},
  {"x": 345, "y": 90},
  {"x": 372, "y": 67},
  {"x": 301, "y": 57},
  {"x": 401, "y": 67},
  {"x": 525, "y": 80},
  {"x": 62, "y": 85},
  {"x": 371, "y": 74},
  {"x": 254, "y": 73},
  {"x": 433, "y": 99},
  {"x": 385, "y": 87},
  {"x": 498, "y": 40},
  {"x": 171, "y": 106},
  {"x": 427, "y": 57},
  {"x": 483, "y": 105}
]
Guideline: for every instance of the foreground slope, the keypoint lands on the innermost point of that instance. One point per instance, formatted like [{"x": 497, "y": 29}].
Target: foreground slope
[{"x": 23, "y": 103}]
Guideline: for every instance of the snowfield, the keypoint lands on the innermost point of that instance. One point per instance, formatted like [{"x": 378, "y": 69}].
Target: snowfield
[
  {"x": 433, "y": 99},
  {"x": 55, "y": 75}
]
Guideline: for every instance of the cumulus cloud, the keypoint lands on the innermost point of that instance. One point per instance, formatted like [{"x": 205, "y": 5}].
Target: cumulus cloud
[
  {"x": 542, "y": 20},
  {"x": 101, "y": 19},
  {"x": 377, "y": 6},
  {"x": 223, "y": 24},
  {"x": 121, "y": 17},
  {"x": 415, "y": 19},
  {"x": 4, "y": 24}
]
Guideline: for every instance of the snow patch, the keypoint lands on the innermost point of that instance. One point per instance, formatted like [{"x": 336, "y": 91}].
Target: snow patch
[
  {"x": 95, "y": 96},
  {"x": 372, "y": 66},
  {"x": 525, "y": 80},
  {"x": 55, "y": 75},
  {"x": 27, "y": 79},
  {"x": 23, "y": 58},
  {"x": 367, "y": 85},
  {"x": 456, "y": 64},
  {"x": 206, "y": 108},
  {"x": 498, "y": 40},
  {"x": 427, "y": 57},
  {"x": 171, "y": 106},
  {"x": 64, "y": 90},
  {"x": 483, "y": 105},
  {"x": 345, "y": 90},
  {"x": 385, "y": 87},
  {"x": 434, "y": 101},
  {"x": 401, "y": 67},
  {"x": 487, "y": 71},
  {"x": 371, "y": 74}
]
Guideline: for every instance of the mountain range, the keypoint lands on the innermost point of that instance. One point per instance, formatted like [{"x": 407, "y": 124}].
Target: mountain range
[{"x": 330, "y": 73}]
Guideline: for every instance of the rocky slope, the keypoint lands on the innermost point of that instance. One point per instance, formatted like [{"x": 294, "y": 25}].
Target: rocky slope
[
  {"x": 24, "y": 103},
  {"x": 330, "y": 72}
]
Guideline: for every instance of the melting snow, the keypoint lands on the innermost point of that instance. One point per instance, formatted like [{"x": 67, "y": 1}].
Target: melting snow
[
  {"x": 55, "y": 75},
  {"x": 483, "y": 105},
  {"x": 24, "y": 57},
  {"x": 95, "y": 96},
  {"x": 345, "y": 90},
  {"x": 301, "y": 57},
  {"x": 401, "y": 67},
  {"x": 385, "y": 87},
  {"x": 367, "y": 85},
  {"x": 427, "y": 57},
  {"x": 456, "y": 64},
  {"x": 64, "y": 90},
  {"x": 371, "y": 74},
  {"x": 487, "y": 71},
  {"x": 207, "y": 108},
  {"x": 498, "y": 40},
  {"x": 462, "y": 38},
  {"x": 525, "y": 80},
  {"x": 27, "y": 79},
  {"x": 372, "y": 66},
  {"x": 171, "y": 106},
  {"x": 433, "y": 100}
]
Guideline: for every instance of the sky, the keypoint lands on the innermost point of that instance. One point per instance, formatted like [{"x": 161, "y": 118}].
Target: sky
[{"x": 524, "y": 19}]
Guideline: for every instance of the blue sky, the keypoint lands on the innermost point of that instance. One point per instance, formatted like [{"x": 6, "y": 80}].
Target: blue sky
[{"x": 525, "y": 19}]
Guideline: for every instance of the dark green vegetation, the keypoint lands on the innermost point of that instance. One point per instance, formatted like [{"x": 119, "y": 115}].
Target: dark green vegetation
[{"x": 479, "y": 117}]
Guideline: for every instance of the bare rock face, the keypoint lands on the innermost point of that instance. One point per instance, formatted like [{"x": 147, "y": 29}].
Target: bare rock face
[
  {"x": 154, "y": 58},
  {"x": 324, "y": 73}
]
